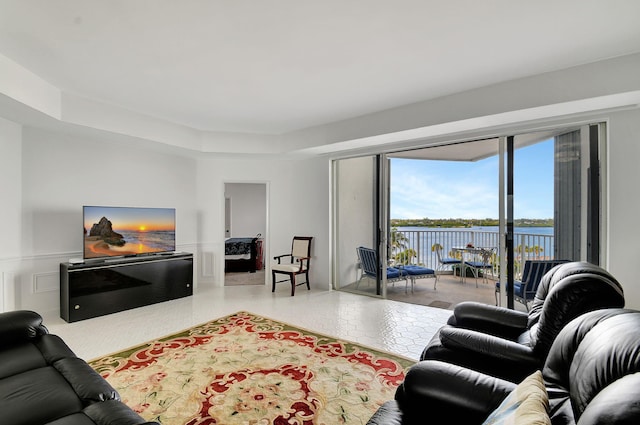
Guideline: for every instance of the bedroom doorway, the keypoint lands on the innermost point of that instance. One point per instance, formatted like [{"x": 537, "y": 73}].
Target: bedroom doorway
[{"x": 245, "y": 230}]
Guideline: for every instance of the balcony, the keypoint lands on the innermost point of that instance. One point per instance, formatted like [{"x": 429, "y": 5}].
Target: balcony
[{"x": 416, "y": 247}]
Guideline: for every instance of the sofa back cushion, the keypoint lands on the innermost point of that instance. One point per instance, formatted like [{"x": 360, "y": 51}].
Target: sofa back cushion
[
  {"x": 593, "y": 369},
  {"x": 568, "y": 291}
]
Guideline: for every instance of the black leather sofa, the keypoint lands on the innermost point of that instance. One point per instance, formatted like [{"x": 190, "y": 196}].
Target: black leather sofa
[
  {"x": 591, "y": 376},
  {"x": 43, "y": 382},
  {"x": 512, "y": 344}
]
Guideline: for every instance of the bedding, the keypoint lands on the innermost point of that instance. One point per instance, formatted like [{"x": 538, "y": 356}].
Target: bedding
[
  {"x": 243, "y": 254},
  {"x": 238, "y": 248}
]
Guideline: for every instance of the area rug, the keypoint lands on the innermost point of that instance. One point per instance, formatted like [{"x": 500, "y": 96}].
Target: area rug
[{"x": 247, "y": 369}]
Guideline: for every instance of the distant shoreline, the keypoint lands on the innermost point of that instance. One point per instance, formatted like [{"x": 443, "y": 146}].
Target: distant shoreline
[{"x": 459, "y": 223}]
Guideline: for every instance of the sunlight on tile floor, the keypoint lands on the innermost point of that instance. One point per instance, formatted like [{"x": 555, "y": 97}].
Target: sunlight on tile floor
[{"x": 386, "y": 325}]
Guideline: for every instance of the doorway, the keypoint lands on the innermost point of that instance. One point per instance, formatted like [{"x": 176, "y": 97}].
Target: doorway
[
  {"x": 245, "y": 233},
  {"x": 418, "y": 205}
]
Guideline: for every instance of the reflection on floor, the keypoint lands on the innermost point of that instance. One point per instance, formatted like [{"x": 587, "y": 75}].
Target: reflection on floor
[
  {"x": 400, "y": 328},
  {"x": 450, "y": 291},
  {"x": 244, "y": 278}
]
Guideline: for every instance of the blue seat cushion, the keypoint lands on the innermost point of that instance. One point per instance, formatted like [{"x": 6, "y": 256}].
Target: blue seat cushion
[
  {"x": 450, "y": 261},
  {"x": 477, "y": 264},
  {"x": 518, "y": 287},
  {"x": 393, "y": 273},
  {"x": 417, "y": 270}
]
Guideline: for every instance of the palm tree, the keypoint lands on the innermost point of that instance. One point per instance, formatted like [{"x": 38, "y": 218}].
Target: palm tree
[
  {"x": 399, "y": 243},
  {"x": 405, "y": 256},
  {"x": 537, "y": 249},
  {"x": 398, "y": 240}
]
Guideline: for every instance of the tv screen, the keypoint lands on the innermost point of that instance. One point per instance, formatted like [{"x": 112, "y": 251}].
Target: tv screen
[{"x": 126, "y": 231}]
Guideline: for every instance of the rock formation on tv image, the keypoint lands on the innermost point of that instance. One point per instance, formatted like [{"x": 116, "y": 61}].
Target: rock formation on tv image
[{"x": 104, "y": 230}]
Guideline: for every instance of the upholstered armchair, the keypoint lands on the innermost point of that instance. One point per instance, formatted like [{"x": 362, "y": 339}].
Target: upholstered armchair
[
  {"x": 295, "y": 263},
  {"x": 43, "y": 382},
  {"x": 591, "y": 376},
  {"x": 512, "y": 344}
]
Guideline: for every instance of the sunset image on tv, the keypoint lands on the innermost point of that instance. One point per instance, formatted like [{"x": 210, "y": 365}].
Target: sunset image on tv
[{"x": 120, "y": 231}]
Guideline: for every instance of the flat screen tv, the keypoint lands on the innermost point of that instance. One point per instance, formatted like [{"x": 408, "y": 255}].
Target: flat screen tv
[{"x": 128, "y": 231}]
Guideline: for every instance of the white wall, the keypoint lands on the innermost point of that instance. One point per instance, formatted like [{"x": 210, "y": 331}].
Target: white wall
[
  {"x": 60, "y": 174},
  {"x": 624, "y": 202},
  {"x": 51, "y": 175},
  {"x": 248, "y": 208},
  {"x": 11, "y": 211},
  {"x": 10, "y": 188},
  {"x": 298, "y": 194}
]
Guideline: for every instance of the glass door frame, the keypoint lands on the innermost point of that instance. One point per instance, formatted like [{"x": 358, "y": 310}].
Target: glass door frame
[
  {"x": 596, "y": 129},
  {"x": 367, "y": 201}
]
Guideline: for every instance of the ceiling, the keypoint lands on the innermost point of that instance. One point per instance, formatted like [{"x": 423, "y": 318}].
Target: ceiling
[
  {"x": 476, "y": 150},
  {"x": 277, "y": 66}
]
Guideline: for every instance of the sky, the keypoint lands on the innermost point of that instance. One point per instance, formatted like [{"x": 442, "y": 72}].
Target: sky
[
  {"x": 456, "y": 189},
  {"x": 130, "y": 219}
]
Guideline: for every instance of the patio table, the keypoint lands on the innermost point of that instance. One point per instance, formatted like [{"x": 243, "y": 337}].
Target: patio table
[{"x": 469, "y": 251}]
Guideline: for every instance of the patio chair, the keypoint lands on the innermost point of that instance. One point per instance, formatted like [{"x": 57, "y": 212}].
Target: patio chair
[
  {"x": 368, "y": 259},
  {"x": 443, "y": 262},
  {"x": 524, "y": 291},
  {"x": 484, "y": 255}
]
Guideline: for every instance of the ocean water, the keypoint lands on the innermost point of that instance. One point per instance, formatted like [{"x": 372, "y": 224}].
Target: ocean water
[
  {"x": 422, "y": 239},
  {"x": 155, "y": 241},
  {"x": 548, "y": 231}
]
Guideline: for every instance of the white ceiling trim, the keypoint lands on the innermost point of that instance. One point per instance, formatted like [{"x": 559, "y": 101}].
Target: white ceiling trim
[
  {"x": 601, "y": 104},
  {"x": 41, "y": 98}
]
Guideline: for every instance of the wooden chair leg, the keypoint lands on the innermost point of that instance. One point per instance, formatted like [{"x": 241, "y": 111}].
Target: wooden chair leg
[
  {"x": 307, "y": 276},
  {"x": 273, "y": 280},
  {"x": 293, "y": 284}
]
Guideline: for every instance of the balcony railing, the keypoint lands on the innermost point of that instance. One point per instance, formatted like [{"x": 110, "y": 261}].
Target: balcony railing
[{"x": 527, "y": 246}]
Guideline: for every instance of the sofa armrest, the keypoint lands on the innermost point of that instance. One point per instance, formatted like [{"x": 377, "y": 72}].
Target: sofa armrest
[
  {"x": 438, "y": 392},
  {"x": 388, "y": 414},
  {"x": 112, "y": 412},
  {"x": 19, "y": 326},
  {"x": 489, "y": 319},
  {"x": 487, "y": 345},
  {"x": 88, "y": 385}
]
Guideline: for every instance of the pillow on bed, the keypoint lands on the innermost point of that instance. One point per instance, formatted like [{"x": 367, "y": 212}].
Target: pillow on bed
[{"x": 528, "y": 404}]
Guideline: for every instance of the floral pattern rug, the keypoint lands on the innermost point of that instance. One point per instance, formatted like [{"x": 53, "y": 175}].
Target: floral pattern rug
[{"x": 247, "y": 369}]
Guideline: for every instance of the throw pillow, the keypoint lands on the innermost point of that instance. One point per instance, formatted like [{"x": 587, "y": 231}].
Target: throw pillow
[{"x": 528, "y": 404}]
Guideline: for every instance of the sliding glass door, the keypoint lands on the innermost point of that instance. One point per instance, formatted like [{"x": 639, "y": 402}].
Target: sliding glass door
[
  {"x": 533, "y": 196},
  {"x": 359, "y": 193}
]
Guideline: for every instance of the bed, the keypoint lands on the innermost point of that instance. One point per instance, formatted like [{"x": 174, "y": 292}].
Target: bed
[{"x": 243, "y": 254}]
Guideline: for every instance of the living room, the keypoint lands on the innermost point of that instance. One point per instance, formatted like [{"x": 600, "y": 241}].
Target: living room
[
  {"x": 54, "y": 172},
  {"x": 62, "y": 149}
]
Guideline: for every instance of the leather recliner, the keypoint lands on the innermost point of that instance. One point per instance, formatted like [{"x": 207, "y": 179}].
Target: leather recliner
[
  {"x": 43, "y": 382},
  {"x": 591, "y": 376},
  {"x": 511, "y": 344}
]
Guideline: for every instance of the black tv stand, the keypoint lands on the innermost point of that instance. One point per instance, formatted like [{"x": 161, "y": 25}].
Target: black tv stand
[{"x": 98, "y": 287}]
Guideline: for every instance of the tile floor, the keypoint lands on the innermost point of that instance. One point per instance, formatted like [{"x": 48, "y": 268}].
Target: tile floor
[
  {"x": 450, "y": 291},
  {"x": 387, "y": 325}
]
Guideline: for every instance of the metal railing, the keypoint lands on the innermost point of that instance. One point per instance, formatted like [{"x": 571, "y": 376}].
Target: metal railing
[{"x": 419, "y": 246}]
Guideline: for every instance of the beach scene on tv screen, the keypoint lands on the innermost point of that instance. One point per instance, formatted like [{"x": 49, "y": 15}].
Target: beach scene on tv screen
[{"x": 116, "y": 231}]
